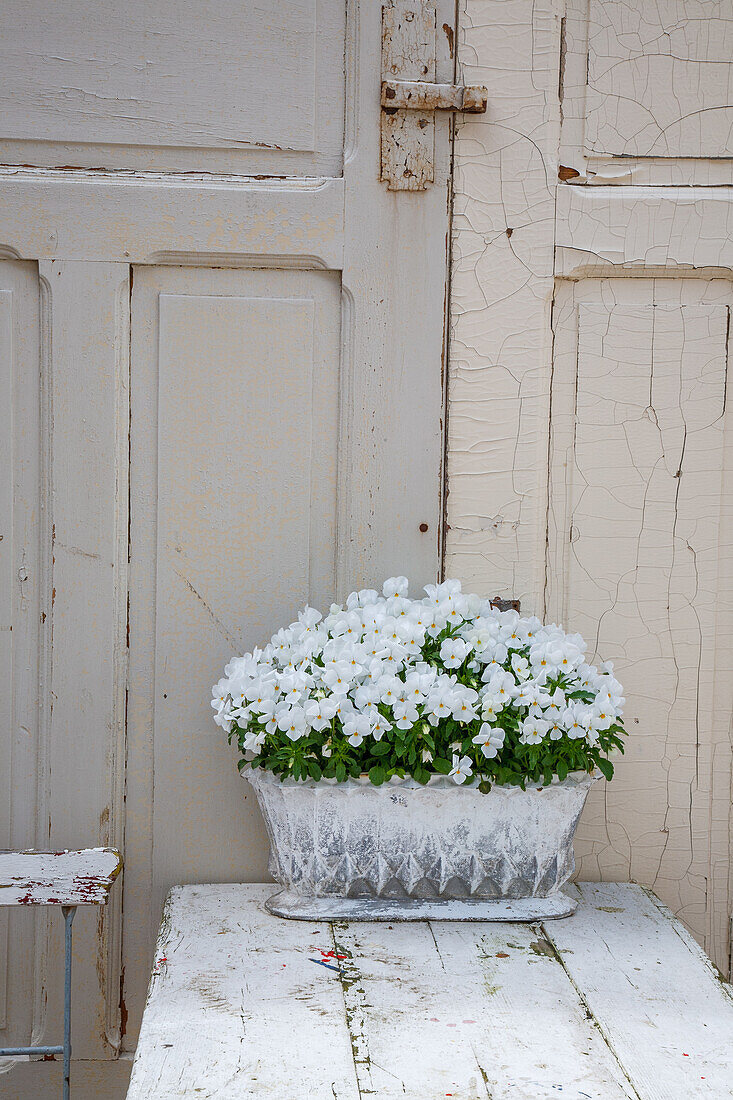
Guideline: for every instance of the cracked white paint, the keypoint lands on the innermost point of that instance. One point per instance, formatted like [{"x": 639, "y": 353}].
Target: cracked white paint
[
  {"x": 636, "y": 526},
  {"x": 630, "y": 541},
  {"x": 502, "y": 281},
  {"x": 659, "y": 78},
  {"x": 646, "y": 92}
]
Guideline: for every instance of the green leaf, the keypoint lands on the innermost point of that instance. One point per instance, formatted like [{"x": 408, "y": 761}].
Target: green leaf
[
  {"x": 377, "y": 775},
  {"x": 381, "y": 748},
  {"x": 606, "y": 767},
  {"x": 562, "y": 769},
  {"x": 441, "y": 765},
  {"x": 340, "y": 771}
]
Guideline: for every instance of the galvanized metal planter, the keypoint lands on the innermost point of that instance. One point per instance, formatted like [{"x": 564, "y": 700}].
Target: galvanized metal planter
[{"x": 404, "y": 851}]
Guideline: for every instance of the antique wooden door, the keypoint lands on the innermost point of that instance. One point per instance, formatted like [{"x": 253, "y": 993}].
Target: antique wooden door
[
  {"x": 591, "y": 291},
  {"x": 221, "y": 396}
]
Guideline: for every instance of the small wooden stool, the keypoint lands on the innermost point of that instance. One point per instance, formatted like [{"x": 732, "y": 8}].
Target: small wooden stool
[{"x": 67, "y": 879}]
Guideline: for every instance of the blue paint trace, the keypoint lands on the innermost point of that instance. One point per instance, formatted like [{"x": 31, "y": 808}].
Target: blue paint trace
[{"x": 328, "y": 966}]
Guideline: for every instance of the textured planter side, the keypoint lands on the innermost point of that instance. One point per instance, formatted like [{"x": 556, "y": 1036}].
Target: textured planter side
[{"x": 406, "y": 841}]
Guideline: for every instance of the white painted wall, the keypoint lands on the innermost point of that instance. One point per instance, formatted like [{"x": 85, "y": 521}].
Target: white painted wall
[{"x": 589, "y": 440}]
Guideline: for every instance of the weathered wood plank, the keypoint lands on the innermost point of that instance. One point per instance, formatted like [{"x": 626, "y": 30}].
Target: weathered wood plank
[
  {"x": 652, "y": 991},
  {"x": 84, "y": 877},
  {"x": 239, "y": 1004},
  {"x": 536, "y": 1037},
  {"x": 479, "y": 1010}
]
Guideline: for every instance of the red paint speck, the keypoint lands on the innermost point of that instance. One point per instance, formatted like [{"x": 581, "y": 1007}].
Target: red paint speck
[
  {"x": 469, "y": 1021},
  {"x": 450, "y": 1025},
  {"x": 685, "y": 1055}
]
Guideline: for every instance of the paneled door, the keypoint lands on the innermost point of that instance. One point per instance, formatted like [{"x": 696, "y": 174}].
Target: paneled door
[
  {"x": 640, "y": 535},
  {"x": 590, "y": 435},
  {"x": 223, "y": 348}
]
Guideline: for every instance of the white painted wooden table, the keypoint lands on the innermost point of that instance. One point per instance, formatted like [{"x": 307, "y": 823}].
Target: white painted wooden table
[{"x": 615, "y": 1001}]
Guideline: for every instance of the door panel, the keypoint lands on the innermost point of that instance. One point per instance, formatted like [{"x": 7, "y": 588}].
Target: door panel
[
  {"x": 235, "y": 414},
  {"x": 255, "y": 87},
  {"x": 658, "y": 83},
  {"x": 640, "y": 464},
  {"x": 234, "y": 444},
  {"x": 646, "y": 92}
]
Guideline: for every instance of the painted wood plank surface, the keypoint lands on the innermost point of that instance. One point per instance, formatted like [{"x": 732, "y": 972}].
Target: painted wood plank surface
[
  {"x": 468, "y": 1010},
  {"x": 592, "y": 1007},
  {"x": 83, "y": 877},
  {"x": 652, "y": 991},
  {"x": 237, "y": 1006}
]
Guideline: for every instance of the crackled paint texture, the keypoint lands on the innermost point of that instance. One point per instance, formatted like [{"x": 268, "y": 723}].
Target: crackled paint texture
[
  {"x": 636, "y": 55},
  {"x": 588, "y": 441},
  {"x": 502, "y": 281}
]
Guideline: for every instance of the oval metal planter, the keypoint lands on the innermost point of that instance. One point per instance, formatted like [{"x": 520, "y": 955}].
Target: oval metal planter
[{"x": 404, "y": 851}]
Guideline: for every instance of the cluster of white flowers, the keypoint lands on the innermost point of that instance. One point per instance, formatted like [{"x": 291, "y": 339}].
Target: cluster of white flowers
[{"x": 362, "y": 671}]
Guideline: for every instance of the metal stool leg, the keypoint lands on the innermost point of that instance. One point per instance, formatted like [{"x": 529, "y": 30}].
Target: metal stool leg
[
  {"x": 9, "y": 1052},
  {"x": 69, "y": 912}
]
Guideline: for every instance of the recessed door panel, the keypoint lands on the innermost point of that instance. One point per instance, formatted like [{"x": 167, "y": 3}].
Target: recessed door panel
[
  {"x": 234, "y": 458},
  {"x": 253, "y": 87}
]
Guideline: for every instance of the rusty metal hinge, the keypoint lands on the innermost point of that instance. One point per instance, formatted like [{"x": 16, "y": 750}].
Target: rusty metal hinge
[
  {"x": 418, "y": 95},
  {"x": 410, "y": 95}
]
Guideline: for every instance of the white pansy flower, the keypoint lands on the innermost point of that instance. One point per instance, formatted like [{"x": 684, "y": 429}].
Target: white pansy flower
[
  {"x": 576, "y": 719},
  {"x": 292, "y": 721},
  {"x": 319, "y": 713},
  {"x": 380, "y": 726},
  {"x": 439, "y": 704},
  {"x": 533, "y": 730},
  {"x": 254, "y": 741},
  {"x": 356, "y": 728},
  {"x": 520, "y": 666},
  {"x": 491, "y": 707},
  {"x": 363, "y": 598},
  {"x": 461, "y": 770},
  {"x": 395, "y": 586},
  {"x": 556, "y": 730},
  {"x": 463, "y": 705},
  {"x": 490, "y": 738},
  {"x": 405, "y": 714},
  {"x": 454, "y": 651},
  {"x": 337, "y": 677}
]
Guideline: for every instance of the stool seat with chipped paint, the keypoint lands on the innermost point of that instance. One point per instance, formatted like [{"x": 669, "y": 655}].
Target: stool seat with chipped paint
[
  {"x": 68, "y": 879},
  {"x": 614, "y": 1003}
]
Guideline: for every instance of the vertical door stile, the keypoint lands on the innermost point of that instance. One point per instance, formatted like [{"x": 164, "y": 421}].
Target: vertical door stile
[{"x": 89, "y": 522}]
